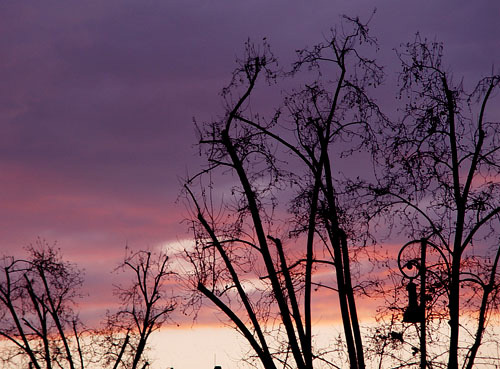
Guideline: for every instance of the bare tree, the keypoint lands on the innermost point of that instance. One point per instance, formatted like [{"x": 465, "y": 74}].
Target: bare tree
[
  {"x": 440, "y": 183},
  {"x": 37, "y": 298},
  {"x": 257, "y": 247},
  {"x": 145, "y": 307},
  {"x": 39, "y": 325}
]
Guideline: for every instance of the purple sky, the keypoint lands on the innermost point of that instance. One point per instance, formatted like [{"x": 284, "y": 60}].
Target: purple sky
[{"x": 97, "y": 100}]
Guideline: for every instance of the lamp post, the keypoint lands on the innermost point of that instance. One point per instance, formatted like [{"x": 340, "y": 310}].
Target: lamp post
[{"x": 412, "y": 265}]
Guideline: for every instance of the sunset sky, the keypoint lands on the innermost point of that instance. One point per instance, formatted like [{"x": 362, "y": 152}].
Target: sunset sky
[{"x": 97, "y": 100}]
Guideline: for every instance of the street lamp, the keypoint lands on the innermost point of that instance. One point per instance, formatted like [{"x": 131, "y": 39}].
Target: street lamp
[{"x": 412, "y": 264}]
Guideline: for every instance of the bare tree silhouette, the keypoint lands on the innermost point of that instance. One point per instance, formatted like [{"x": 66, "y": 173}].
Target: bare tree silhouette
[
  {"x": 39, "y": 322},
  {"x": 439, "y": 180},
  {"x": 146, "y": 304},
  {"x": 257, "y": 247},
  {"x": 37, "y": 300}
]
